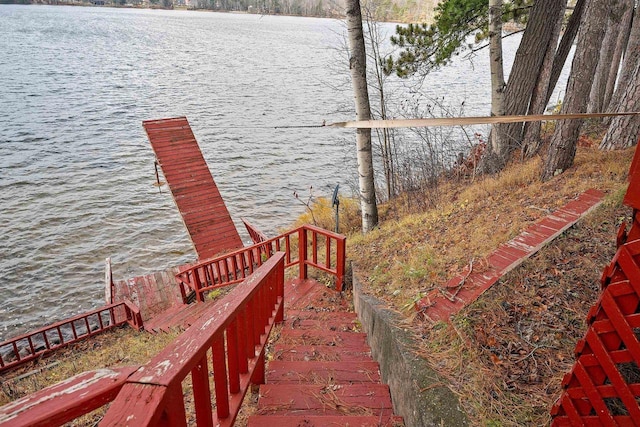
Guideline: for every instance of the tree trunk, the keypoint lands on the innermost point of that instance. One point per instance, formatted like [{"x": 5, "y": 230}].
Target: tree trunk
[
  {"x": 621, "y": 44},
  {"x": 527, "y": 66},
  {"x": 531, "y": 140},
  {"x": 497, "y": 73},
  {"x": 565, "y": 45},
  {"x": 562, "y": 148},
  {"x": 631, "y": 59},
  {"x": 623, "y": 131},
  {"x": 358, "y": 68},
  {"x": 607, "y": 50}
]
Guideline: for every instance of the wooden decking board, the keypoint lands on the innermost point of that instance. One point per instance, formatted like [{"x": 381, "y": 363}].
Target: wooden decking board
[
  {"x": 290, "y": 420},
  {"x": 437, "y": 305},
  {"x": 298, "y": 352},
  {"x": 196, "y": 195},
  {"x": 328, "y": 398},
  {"x": 321, "y": 372}
]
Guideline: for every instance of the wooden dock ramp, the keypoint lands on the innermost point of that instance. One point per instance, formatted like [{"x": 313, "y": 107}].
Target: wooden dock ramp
[{"x": 203, "y": 211}]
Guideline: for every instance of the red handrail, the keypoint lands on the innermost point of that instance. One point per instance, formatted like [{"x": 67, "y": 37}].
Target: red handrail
[
  {"x": 32, "y": 345},
  {"x": 235, "y": 266},
  {"x": 240, "y": 323},
  {"x": 256, "y": 235}
]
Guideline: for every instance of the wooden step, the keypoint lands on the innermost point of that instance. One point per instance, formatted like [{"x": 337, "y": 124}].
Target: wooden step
[
  {"x": 326, "y": 325},
  {"x": 356, "y": 400},
  {"x": 325, "y": 353},
  {"x": 177, "y": 318},
  {"x": 314, "y": 372},
  {"x": 310, "y": 295},
  {"x": 319, "y": 337},
  {"x": 324, "y": 421},
  {"x": 346, "y": 316}
]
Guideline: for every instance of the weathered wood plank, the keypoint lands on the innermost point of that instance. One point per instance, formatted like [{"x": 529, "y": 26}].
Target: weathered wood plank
[
  {"x": 209, "y": 224},
  {"x": 67, "y": 400}
]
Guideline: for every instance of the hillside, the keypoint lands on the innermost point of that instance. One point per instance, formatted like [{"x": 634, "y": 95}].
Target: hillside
[{"x": 504, "y": 355}]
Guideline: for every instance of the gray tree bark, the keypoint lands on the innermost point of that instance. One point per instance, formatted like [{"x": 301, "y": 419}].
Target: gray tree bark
[
  {"x": 568, "y": 37},
  {"x": 621, "y": 44},
  {"x": 631, "y": 59},
  {"x": 623, "y": 131},
  {"x": 605, "y": 63},
  {"x": 531, "y": 140},
  {"x": 358, "y": 68},
  {"x": 562, "y": 148},
  {"x": 524, "y": 74}
]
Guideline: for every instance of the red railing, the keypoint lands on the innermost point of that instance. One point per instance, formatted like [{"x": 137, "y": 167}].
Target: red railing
[
  {"x": 306, "y": 246},
  {"x": 231, "y": 336},
  {"x": 256, "y": 235},
  {"x": 30, "y": 346}
]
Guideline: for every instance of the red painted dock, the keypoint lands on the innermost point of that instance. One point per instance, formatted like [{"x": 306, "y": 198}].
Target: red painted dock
[
  {"x": 321, "y": 372},
  {"x": 466, "y": 287},
  {"x": 203, "y": 211}
]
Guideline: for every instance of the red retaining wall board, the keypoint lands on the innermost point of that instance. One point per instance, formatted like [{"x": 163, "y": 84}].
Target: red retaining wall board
[
  {"x": 462, "y": 290},
  {"x": 196, "y": 195}
]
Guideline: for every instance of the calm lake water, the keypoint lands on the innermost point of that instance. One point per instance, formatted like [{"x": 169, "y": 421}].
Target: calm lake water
[{"x": 76, "y": 169}]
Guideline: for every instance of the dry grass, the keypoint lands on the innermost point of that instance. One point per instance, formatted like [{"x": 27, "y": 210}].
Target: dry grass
[
  {"x": 412, "y": 253},
  {"x": 505, "y": 355},
  {"x": 115, "y": 348}
]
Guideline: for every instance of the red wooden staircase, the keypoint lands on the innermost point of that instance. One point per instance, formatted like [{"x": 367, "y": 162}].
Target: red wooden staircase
[{"x": 321, "y": 372}]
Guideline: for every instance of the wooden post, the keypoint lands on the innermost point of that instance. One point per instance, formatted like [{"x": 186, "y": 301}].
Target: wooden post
[
  {"x": 108, "y": 282},
  {"x": 302, "y": 251},
  {"x": 340, "y": 262}
]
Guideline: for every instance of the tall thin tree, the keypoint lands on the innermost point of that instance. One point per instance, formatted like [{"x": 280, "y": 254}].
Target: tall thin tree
[
  {"x": 358, "y": 68},
  {"x": 497, "y": 71},
  {"x": 562, "y": 149}
]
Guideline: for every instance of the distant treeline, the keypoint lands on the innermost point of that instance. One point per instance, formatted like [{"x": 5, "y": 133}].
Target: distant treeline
[{"x": 383, "y": 10}]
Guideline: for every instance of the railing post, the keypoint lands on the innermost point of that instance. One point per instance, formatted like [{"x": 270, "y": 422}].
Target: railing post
[
  {"x": 340, "y": 262},
  {"x": 196, "y": 282},
  {"x": 108, "y": 282},
  {"x": 280, "y": 291},
  {"x": 302, "y": 251}
]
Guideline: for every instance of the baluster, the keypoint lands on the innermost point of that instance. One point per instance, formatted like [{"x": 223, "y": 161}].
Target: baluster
[
  {"x": 174, "y": 409},
  {"x": 15, "y": 350},
  {"x": 242, "y": 337},
  {"x": 217, "y": 271},
  {"x": 224, "y": 269},
  {"x": 327, "y": 256},
  {"x": 46, "y": 340},
  {"x": 31, "y": 347},
  {"x": 86, "y": 322},
  {"x": 73, "y": 330},
  {"x": 208, "y": 275},
  {"x": 280, "y": 292},
  {"x": 100, "y": 322},
  {"x": 220, "y": 377},
  {"x": 251, "y": 255},
  {"x": 314, "y": 246},
  {"x": 232, "y": 358},
  {"x": 202, "y": 393},
  {"x": 237, "y": 267},
  {"x": 287, "y": 248},
  {"x": 198, "y": 287},
  {"x": 251, "y": 329}
]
